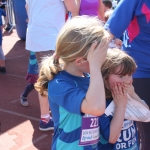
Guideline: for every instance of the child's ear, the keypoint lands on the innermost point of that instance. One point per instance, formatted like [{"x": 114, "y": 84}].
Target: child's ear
[{"x": 78, "y": 61}]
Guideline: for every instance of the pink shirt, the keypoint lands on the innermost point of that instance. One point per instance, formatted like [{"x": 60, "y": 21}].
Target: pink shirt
[{"x": 89, "y": 7}]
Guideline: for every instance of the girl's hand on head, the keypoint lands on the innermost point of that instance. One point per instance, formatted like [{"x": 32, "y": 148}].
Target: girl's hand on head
[
  {"x": 119, "y": 95},
  {"x": 97, "y": 53}
]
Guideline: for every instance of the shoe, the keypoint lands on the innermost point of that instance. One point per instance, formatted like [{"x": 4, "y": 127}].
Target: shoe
[
  {"x": 46, "y": 126},
  {"x": 3, "y": 70},
  {"x": 8, "y": 27},
  {"x": 23, "y": 101}
]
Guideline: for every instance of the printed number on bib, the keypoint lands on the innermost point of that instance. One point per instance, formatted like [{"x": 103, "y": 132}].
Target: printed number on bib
[{"x": 94, "y": 122}]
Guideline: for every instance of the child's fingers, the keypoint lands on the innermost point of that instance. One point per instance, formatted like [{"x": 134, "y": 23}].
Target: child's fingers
[
  {"x": 104, "y": 44},
  {"x": 93, "y": 47},
  {"x": 115, "y": 89},
  {"x": 112, "y": 93},
  {"x": 120, "y": 89},
  {"x": 124, "y": 91}
]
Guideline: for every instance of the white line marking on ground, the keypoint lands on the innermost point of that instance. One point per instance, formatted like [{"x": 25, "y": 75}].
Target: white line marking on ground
[
  {"x": 15, "y": 100},
  {"x": 17, "y": 57},
  {"x": 18, "y": 114},
  {"x": 15, "y": 76},
  {"x": 33, "y": 142}
]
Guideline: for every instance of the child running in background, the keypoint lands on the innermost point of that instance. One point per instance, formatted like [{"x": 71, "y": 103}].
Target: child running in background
[
  {"x": 117, "y": 132},
  {"x": 43, "y": 43},
  {"x": 80, "y": 49},
  {"x": 2, "y": 57},
  {"x": 31, "y": 77}
]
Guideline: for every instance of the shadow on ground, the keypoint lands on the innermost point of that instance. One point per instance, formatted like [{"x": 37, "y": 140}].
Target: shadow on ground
[{"x": 18, "y": 122}]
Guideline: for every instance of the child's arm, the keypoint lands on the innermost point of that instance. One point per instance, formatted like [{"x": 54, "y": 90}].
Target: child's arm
[
  {"x": 94, "y": 102},
  {"x": 132, "y": 94},
  {"x": 120, "y": 100},
  {"x": 72, "y": 6},
  {"x": 101, "y": 10}
]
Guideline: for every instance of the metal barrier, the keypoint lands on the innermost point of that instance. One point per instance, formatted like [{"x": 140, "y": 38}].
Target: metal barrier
[{"x": 10, "y": 14}]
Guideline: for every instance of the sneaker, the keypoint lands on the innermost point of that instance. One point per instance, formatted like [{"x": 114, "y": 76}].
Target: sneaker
[
  {"x": 2, "y": 70},
  {"x": 8, "y": 27},
  {"x": 23, "y": 101},
  {"x": 46, "y": 126}
]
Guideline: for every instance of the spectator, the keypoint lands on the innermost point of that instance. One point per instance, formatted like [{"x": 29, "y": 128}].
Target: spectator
[
  {"x": 2, "y": 4},
  {"x": 91, "y": 8},
  {"x": 2, "y": 56},
  {"x": 41, "y": 38}
]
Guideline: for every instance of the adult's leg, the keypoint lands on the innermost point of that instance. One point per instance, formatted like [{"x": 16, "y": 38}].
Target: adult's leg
[{"x": 142, "y": 88}]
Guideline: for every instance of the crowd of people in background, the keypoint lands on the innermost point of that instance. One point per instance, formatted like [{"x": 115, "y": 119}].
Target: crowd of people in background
[{"x": 84, "y": 54}]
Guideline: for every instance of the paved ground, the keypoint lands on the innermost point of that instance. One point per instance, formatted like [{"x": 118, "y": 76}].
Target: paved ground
[{"x": 19, "y": 125}]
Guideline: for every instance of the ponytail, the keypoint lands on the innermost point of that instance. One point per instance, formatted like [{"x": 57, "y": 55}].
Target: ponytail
[{"x": 49, "y": 67}]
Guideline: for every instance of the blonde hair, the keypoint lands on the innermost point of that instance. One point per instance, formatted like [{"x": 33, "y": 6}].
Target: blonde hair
[
  {"x": 74, "y": 40},
  {"x": 117, "y": 58}
]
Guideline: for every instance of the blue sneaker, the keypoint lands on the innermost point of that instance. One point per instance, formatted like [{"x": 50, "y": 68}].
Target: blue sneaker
[{"x": 46, "y": 126}]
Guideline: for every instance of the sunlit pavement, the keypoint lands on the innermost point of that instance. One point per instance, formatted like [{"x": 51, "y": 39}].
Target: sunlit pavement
[{"x": 18, "y": 124}]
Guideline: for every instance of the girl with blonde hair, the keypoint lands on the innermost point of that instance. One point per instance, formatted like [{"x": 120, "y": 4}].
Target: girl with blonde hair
[
  {"x": 80, "y": 49},
  {"x": 117, "y": 132}
]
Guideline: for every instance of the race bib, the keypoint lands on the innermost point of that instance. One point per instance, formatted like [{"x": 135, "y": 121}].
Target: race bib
[{"x": 90, "y": 133}]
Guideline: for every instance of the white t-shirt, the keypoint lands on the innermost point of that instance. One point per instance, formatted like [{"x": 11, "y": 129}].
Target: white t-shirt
[{"x": 46, "y": 17}]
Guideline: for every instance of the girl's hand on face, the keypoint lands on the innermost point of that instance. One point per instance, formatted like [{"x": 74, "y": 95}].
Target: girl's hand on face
[
  {"x": 119, "y": 95},
  {"x": 129, "y": 88},
  {"x": 97, "y": 53}
]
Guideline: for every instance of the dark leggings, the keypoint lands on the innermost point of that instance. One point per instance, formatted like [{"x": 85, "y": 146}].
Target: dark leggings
[
  {"x": 27, "y": 90},
  {"x": 142, "y": 88}
]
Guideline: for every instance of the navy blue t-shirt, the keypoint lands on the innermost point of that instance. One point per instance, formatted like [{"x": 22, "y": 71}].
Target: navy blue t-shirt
[
  {"x": 128, "y": 139},
  {"x": 132, "y": 17}
]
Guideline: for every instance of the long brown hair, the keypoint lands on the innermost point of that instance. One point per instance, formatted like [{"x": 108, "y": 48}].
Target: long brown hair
[{"x": 114, "y": 59}]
